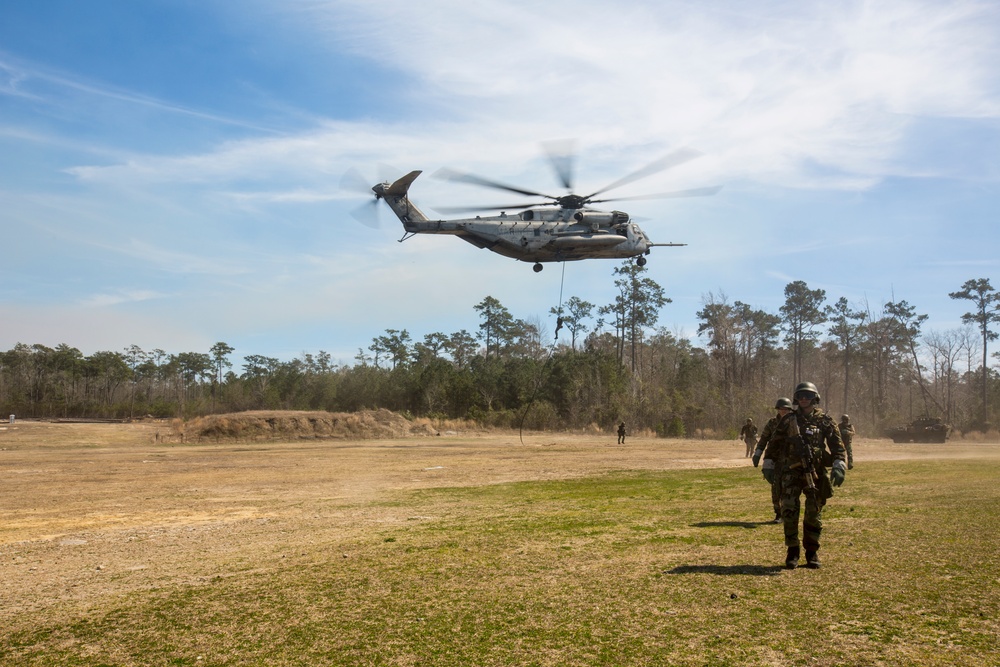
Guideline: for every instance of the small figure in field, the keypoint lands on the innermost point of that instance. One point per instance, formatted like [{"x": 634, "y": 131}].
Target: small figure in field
[
  {"x": 621, "y": 433},
  {"x": 847, "y": 435},
  {"x": 795, "y": 461},
  {"x": 783, "y": 406},
  {"x": 748, "y": 434}
]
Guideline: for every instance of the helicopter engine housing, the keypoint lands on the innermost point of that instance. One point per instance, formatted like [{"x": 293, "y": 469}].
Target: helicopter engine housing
[{"x": 598, "y": 219}]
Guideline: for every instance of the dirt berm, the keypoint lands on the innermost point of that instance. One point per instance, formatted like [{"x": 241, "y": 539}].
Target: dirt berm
[{"x": 257, "y": 425}]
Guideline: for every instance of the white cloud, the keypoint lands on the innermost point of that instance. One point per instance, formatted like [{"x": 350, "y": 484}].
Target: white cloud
[
  {"x": 253, "y": 234},
  {"x": 812, "y": 95},
  {"x": 117, "y": 297}
]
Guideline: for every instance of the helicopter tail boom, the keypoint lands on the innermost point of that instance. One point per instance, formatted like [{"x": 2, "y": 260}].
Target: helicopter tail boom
[{"x": 395, "y": 195}]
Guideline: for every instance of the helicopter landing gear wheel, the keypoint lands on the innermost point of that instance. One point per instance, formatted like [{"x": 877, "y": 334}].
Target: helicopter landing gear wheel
[
  {"x": 641, "y": 261},
  {"x": 537, "y": 267}
]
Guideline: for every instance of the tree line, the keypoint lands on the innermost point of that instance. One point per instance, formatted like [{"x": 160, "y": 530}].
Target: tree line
[{"x": 612, "y": 363}]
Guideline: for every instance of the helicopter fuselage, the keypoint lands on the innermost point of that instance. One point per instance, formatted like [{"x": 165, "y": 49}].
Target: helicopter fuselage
[
  {"x": 532, "y": 235},
  {"x": 542, "y": 236}
]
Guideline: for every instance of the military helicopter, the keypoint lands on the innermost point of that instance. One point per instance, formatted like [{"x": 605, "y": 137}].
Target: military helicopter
[{"x": 564, "y": 228}]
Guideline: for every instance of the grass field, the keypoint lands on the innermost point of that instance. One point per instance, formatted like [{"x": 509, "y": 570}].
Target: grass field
[{"x": 483, "y": 551}]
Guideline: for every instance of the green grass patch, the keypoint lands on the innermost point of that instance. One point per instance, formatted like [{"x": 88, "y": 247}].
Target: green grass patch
[{"x": 671, "y": 568}]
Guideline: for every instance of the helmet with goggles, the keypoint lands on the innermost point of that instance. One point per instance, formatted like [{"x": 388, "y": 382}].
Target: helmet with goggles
[{"x": 806, "y": 390}]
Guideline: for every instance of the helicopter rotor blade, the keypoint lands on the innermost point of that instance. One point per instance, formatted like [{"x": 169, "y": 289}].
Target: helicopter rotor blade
[
  {"x": 562, "y": 155},
  {"x": 476, "y": 209},
  {"x": 354, "y": 181},
  {"x": 668, "y": 161},
  {"x": 460, "y": 177},
  {"x": 368, "y": 214},
  {"x": 693, "y": 192}
]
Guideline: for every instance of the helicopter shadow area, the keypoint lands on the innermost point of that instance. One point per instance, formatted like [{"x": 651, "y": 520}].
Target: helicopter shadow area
[{"x": 728, "y": 570}]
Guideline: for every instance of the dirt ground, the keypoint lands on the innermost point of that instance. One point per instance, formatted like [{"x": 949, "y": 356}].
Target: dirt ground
[{"x": 89, "y": 512}]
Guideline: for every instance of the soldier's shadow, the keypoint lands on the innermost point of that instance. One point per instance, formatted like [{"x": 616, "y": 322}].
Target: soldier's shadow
[
  {"x": 728, "y": 570},
  {"x": 731, "y": 524}
]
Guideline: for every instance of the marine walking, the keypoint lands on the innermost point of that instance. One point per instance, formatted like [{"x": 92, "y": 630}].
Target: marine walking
[
  {"x": 748, "y": 434},
  {"x": 847, "y": 435},
  {"x": 794, "y": 460},
  {"x": 782, "y": 406}
]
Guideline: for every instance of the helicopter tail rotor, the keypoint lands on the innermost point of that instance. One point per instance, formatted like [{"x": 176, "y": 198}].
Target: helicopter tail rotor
[{"x": 368, "y": 213}]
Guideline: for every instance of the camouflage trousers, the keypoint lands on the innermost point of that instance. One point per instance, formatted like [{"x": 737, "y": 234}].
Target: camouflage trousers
[{"x": 792, "y": 488}]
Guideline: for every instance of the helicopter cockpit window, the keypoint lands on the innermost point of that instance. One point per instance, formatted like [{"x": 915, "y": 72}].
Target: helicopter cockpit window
[{"x": 528, "y": 215}]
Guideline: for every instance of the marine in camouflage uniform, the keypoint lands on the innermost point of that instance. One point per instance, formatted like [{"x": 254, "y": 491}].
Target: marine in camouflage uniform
[
  {"x": 783, "y": 406},
  {"x": 847, "y": 435},
  {"x": 783, "y": 465},
  {"x": 748, "y": 434}
]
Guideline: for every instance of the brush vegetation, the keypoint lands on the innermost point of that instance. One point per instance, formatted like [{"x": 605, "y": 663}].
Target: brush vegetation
[{"x": 276, "y": 425}]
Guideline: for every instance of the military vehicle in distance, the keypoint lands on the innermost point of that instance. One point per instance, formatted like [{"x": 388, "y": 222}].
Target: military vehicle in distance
[{"x": 921, "y": 429}]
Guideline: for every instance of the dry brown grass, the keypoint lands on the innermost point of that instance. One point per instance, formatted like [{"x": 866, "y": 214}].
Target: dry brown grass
[
  {"x": 118, "y": 548},
  {"x": 976, "y": 436}
]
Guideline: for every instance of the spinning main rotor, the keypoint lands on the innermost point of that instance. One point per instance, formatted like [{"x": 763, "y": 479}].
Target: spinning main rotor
[{"x": 562, "y": 162}]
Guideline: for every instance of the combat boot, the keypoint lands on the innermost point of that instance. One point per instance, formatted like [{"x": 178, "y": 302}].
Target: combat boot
[
  {"x": 792, "y": 558},
  {"x": 812, "y": 560},
  {"x": 777, "y": 518}
]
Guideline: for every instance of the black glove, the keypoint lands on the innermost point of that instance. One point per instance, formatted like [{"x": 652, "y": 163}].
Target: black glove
[
  {"x": 756, "y": 456},
  {"x": 768, "y": 470},
  {"x": 838, "y": 472}
]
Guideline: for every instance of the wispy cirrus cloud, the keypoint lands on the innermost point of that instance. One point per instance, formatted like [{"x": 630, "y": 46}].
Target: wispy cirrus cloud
[
  {"x": 817, "y": 117},
  {"x": 45, "y": 84},
  {"x": 117, "y": 297}
]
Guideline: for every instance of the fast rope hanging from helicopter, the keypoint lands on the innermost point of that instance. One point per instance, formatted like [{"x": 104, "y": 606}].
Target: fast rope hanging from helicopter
[{"x": 541, "y": 373}]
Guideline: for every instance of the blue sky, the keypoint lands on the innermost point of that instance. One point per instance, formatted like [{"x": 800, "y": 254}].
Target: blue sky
[{"x": 169, "y": 171}]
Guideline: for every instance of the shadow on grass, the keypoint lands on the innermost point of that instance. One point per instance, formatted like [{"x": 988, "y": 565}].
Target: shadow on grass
[
  {"x": 731, "y": 524},
  {"x": 728, "y": 570}
]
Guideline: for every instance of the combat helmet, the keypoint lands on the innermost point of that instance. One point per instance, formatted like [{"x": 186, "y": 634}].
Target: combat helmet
[
  {"x": 845, "y": 419},
  {"x": 785, "y": 403},
  {"x": 807, "y": 387}
]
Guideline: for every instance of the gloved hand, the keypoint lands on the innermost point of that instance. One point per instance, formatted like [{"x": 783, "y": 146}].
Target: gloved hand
[
  {"x": 768, "y": 470},
  {"x": 838, "y": 472},
  {"x": 756, "y": 456}
]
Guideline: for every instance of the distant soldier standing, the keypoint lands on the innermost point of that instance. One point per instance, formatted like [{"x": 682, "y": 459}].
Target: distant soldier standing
[
  {"x": 847, "y": 435},
  {"x": 621, "y": 433},
  {"x": 783, "y": 406},
  {"x": 748, "y": 434},
  {"x": 804, "y": 433}
]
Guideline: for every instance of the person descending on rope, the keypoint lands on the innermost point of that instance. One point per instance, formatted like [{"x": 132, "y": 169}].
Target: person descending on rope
[{"x": 559, "y": 324}]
